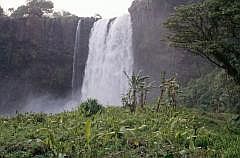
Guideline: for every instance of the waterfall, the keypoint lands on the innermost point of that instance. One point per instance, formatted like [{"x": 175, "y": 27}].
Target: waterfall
[
  {"x": 110, "y": 53},
  {"x": 76, "y": 82}
]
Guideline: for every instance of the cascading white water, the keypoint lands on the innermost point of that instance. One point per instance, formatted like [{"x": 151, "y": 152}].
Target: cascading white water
[
  {"x": 110, "y": 54},
  {"x": 76, "y": 84}
]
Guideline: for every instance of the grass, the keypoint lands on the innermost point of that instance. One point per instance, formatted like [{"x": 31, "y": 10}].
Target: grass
[{"x": 115, "y": 132}]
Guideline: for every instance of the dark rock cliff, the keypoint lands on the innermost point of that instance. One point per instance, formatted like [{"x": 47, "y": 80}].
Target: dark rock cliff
[
  {"x": 36, "y": 56},
  {"x": 152, "y": 53},
  {"x": 81, "y": 52}
]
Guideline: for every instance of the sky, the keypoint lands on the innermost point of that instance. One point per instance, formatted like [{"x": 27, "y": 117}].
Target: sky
[{"x": 106, "y": 8}]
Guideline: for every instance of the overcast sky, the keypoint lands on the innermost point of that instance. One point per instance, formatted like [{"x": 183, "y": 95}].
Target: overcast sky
[{"x": 106, "y": 8}]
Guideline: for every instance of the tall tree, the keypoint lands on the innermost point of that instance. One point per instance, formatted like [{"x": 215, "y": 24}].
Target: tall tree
[
  {"x": 40, "y": 7},
  {"x": 1, "y": 11},
  {"x": 211, "y": 29},
  {"x": 21, "y": 11}
]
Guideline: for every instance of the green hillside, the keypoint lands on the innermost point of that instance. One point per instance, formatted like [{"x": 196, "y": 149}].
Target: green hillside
[{"x": 115, "y": 132}]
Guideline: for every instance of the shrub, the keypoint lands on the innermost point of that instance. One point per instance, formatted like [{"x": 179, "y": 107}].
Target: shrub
[
  {"x": 216, "y": 92},
  {"x": 91, "y": 107}
]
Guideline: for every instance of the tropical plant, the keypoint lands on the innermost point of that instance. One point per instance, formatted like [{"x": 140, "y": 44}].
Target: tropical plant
[
  {"x": 162, "y": 90},
  {"x": 137, "y": 84},
  {"x": 144, "y": 90},
  {"x": 169, "y": 90}
]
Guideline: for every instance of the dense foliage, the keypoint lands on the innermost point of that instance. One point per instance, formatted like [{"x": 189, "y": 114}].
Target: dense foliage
[
  {"x": 21, "y": 11},
  {"x": 117, "y": 133},
  {"x": 34, "y": 8},
  {"x": 91, "y": 107},
  {"x": 63, "y": 13},
  {"x": 215, "y": 91},
  {"x": 211, "y": 29}
]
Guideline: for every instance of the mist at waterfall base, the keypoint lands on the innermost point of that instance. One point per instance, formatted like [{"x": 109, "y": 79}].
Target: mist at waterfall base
[
  {"x": 48, "y": 104},
  {"x": 30, "y": 101},
  {"x": 110, "y": 53}
]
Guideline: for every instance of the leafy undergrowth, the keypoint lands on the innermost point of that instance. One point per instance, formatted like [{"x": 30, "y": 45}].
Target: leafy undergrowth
[{"x": 114, "y": 132}]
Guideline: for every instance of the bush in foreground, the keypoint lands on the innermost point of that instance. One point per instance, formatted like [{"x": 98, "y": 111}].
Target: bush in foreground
[{"x": 91, "y": 107}]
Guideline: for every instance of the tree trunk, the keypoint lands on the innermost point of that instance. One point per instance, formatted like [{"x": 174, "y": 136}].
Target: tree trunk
[
  {"x": 142, "y": 99},
  {"x": 159, "y": 100}
]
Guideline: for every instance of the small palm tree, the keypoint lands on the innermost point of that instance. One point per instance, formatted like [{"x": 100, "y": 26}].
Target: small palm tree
[
  {"x": 136, "y": 84},
  {"x": 144, "y": 90},
  {"x": 162, "y": 90},
  {"x": 170, "y": 88},
  {"x": 173, "y": 90}
]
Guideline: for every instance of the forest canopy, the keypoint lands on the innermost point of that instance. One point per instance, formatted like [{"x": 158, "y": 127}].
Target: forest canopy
[{"x": 34, "y": 8}]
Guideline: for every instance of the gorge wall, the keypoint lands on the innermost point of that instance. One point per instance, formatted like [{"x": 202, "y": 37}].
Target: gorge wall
[
  {"x": 36, "y": 56},
  {"x": 152, "y": 52}
]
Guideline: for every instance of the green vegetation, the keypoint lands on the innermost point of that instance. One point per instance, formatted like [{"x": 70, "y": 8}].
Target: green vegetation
[
  {"x": 115, "y": 132},
  {"x": 57, "y": 14},
  {"x": 91, "y": 107},
  {"x": 34, "y": 8},
  {"x": 38, "y": 8},
  {"x": 209, "y": 28},
  {"x": 21, "y": 11},
  {"x": 169, "y": 90},
  {"x": 215, "y": 92},
  {"x": 138, "y": 90},
  {"x": 170, "y": 131}
]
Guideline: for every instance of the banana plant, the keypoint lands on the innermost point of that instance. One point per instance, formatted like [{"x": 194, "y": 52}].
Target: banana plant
[
  {"x": 136, "y": 81},
  {"x": 170, "y": 88},
  {"x": 162, "y": 90},
  {"x": 144, "y": 90}
]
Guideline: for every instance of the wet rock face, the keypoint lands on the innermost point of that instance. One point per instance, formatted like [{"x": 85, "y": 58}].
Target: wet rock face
[
  {"x": 36, "y": 49},
  {"x": 81, "y": 49},
  {"x": 36, "y": 56},
  {"x": 151, "y": 50}
]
